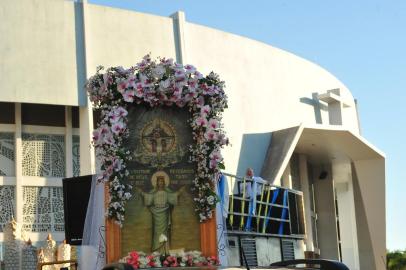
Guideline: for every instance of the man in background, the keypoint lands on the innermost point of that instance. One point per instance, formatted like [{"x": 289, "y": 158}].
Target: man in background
[{"x": 253, "y": 186}]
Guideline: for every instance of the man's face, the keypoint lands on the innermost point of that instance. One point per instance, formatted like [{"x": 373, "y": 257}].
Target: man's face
[
  {"x": 160, "y": 182},
  {"x": 250, "y": 173}
]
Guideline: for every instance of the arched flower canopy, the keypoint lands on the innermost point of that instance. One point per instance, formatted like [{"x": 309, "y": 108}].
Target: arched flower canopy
[{"x": 159, "y": 82}]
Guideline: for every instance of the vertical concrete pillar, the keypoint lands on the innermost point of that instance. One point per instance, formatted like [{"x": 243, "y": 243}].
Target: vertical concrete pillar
[
  {"x": 286, "y": 177},
  {"x": 68, "y": 142},
  {"x": 87, "y": 155},
  {"x": 18, "y": 164},
  {"x": 369, "y": 187},
  {"x": 342, "y": 176},
  {"x": 304, "y": 183},
  {"x": 179, "y": 22},
  {"x": 326, "y": 214}
]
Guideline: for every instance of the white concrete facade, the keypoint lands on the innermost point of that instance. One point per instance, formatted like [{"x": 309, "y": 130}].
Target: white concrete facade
[{"x": 49, "y": 47}]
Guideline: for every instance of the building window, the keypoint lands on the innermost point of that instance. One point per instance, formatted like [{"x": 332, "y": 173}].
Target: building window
[
  {"x": 43, "y": 155},
  {"x": 7, "y": 205},
  {"x": 7, "y": 154},
  {"x": 43, "y": 115},
  {"x": 7, "y": 113},
  {"x": 43, "y": 209}
]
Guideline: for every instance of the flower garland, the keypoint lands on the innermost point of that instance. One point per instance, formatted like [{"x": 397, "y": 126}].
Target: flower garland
[
  {"x": 184, "y": 259},
  {"x": 158, "y": 83}
]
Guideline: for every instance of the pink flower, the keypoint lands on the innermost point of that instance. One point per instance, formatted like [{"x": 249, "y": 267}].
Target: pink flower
[
  {"x": 180, "y": 103},
  {"x": 189, "y": 96},
  {"x": 104, "y": 130},
  {"x": 213, "y": 164},
  {"x": 210, "y": 135},
  {"x": 131, "y": 81},
  {"x": 213, "y": 123},
  {"x": 108, "y": 139},
  {"x": 215, "y": 155},
  {"x": 139, "y": 91},
  {"x": 133, "y": 259},
  {"x": 114, "y": 118},
  {"x": 116, "y": 114},
  {"x": 205, "y": 110},
  {"x": 107, "y": 79},
  {"x": 120, "y": 111},
  {"x": 192, "y": 85},
  {"x": 201, "y": 121},
  {"x": 190, "y": 69},
  {"x": 198, "y": 75},
  {"x": 179, "y": 75},
  {"x": 117, "y": 128},
  {"x": 223, "y": 140},
  {"x": 208, "y": 90},
  {"x": 121, "y": 86},
  {"x": 129, "y": 95},
  {"x": 96, "y": 136},
  {"x": 117, "y": 164},
  {"x": 200, "y": 102},
  {"x": 109, "y": 170}
]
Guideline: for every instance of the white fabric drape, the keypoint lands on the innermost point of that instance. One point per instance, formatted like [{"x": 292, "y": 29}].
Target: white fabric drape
[
  {"x": 93, "y": 249},
  {"x": 221, "y": 215}
]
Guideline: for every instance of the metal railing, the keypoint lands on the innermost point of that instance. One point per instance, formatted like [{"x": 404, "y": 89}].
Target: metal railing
[{"x": 258, "y": 207}]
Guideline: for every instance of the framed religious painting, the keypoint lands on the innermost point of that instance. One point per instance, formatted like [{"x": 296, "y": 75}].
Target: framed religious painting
[
  {"x": 160, "y": 216},
  {"x": 159, "y": 143}
]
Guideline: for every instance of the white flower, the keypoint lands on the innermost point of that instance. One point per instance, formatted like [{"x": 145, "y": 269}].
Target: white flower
[
  {"x": 210, "y": 199},
  {"x": 165, "y": 84},
  {"x": 163, "y": 238},
  {"x": 158, "y": 71},
  {"x": 202, "y": 217}
]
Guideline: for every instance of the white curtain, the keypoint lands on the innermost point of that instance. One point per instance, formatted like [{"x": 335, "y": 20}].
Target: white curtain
[
  {"x": 221, "y": 215},
  {"x": 93, "y": 250}
]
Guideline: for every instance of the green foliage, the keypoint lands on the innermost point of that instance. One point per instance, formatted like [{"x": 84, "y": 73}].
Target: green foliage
[{"x": 396, "y": 260}]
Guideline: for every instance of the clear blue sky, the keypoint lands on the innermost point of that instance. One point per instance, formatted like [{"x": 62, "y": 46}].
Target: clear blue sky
[{"x": 363, "y": 43}]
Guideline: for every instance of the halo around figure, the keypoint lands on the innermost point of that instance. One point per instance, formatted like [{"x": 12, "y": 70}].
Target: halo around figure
[{"x": 155, "y": 177}]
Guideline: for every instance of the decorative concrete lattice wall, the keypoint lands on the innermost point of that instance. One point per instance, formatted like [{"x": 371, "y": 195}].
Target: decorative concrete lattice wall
[
  {"x": 43, "y": 155},
  {"x": 76, "y": 155},
  {"x": 7, "y": 205},
  {"x": 7, "y": 154},
  {"x": 29, "y": 257},
  {"x": 43, "y": 209}
]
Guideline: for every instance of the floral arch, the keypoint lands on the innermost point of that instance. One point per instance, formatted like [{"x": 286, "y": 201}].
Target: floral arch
[{"x": 161, "y": 82}]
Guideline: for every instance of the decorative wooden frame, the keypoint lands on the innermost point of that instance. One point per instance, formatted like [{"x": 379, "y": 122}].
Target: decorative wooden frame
[{"x": 208, "y": 237}]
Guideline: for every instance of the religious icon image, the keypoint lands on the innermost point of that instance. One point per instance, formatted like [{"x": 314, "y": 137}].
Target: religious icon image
[
  {"x": 162, "y": 175},
  {"x": 160, "y": 201},
  {"x": 159, "y": 144}
]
